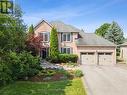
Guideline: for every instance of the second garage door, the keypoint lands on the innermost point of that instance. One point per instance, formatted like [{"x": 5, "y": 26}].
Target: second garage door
[
  {"x": 88, "y": 58},
  {"x": 104, "y": 58}
]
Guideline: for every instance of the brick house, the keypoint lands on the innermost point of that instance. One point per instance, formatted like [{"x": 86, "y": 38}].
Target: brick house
[{"x": 90, "y": 48}]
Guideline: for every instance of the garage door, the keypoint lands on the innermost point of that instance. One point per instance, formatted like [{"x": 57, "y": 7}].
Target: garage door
[
  {"x": 88, "y": 58},
  {"x": 104, "y": 58}
]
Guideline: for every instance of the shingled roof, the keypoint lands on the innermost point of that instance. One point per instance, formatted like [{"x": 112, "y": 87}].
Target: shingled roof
[
  {"x": 91, "y": 39},
  {"x": 62, "y": 27},
  {"x": 87, "y": 39}
]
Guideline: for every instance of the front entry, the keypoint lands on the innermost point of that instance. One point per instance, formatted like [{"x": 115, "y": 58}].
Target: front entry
[{"x": 44, "y": 52}]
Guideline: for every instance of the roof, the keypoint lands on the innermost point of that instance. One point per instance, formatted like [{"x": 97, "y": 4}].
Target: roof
[
  {"x": 86, "y": 39},
  {"x": 124, "y": 44},
  {"x": 91, "y": 39},
  {"x": 62, "y": 27}
]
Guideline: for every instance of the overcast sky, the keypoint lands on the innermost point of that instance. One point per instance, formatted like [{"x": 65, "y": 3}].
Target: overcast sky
[{"x": 84, "y": 14}]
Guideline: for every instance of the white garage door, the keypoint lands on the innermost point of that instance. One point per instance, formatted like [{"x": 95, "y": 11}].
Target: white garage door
[
  {"x": 105, "y": 58},
  {"x": 88, "y": 58}
]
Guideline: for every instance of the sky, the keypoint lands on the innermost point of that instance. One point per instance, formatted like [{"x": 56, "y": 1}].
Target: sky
[{"x": 83, "y": 14}]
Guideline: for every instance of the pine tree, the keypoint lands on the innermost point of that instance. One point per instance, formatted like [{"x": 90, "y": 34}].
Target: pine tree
[
  {"x": 115, "y": 34},
  {"x": 31, "y": 29},
  {"x": 54, "y": 44}
]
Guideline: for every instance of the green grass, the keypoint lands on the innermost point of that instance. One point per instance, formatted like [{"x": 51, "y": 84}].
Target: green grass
[{"x": 66, "y": 87}]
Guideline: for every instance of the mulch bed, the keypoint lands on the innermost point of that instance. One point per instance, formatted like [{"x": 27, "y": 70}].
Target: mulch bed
[{"x": 55, "y": 77}]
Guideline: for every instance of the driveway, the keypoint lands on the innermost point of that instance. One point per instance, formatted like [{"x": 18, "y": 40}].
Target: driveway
[{"x": 105, "y": 80}]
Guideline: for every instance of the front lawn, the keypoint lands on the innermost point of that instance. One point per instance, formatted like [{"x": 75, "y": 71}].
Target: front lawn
[{"x": 66, "y": 87}]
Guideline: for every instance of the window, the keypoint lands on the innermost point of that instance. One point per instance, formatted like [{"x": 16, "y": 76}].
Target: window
[
  {"x": 66, "y": 50},
  {"x": 66, "y": 37},
  {"x": 45, "y": 36}
]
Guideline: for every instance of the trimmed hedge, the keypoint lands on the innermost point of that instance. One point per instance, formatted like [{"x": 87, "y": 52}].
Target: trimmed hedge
[{"x": 65, "y": 58}]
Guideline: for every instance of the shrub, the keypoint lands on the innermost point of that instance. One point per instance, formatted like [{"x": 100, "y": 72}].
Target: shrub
[
  {"x": 5, "y": 74},
  {"x": 78, "y": 73},
  {"x": 23, "y": 65},
  {"x": 65, "y": 58},
  {"x": 47, "y": 72}
]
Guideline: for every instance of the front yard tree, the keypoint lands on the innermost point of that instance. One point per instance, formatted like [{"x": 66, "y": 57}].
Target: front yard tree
[
  {"x": 54, "y": 44},
  {"x": 102, "y": 30},
  {"x": 115, "y": 34},
  {"x": 12, "y": 31}
]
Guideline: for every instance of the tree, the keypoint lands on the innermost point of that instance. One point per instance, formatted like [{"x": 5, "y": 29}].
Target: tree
[
  {"x": 115, "y": 34},
  {"x": 102, "y": 30},
  {"x": 31, "y": 29},
  {"x": 12, "y": 31},
  {"x": 54, "y": 44},
  {"x": 33, "y": 44}
]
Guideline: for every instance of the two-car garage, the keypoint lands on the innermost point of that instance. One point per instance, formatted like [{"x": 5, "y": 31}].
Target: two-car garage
[
  {"x": 100, "y": 58},
  {"x": 95, "y": 50}
]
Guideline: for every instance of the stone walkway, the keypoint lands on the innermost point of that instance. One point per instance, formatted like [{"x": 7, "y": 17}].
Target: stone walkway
[{"x": 49, "y": 65}]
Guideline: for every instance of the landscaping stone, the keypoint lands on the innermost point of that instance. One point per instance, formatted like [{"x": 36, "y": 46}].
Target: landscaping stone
[
  {"x": 47, "y": 78},
  {"x": 48, "y": 65}
]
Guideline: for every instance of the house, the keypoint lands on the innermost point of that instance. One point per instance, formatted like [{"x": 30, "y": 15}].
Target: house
[
  {"x": 123, "y": 51},
  {"x": 90, "y": 48}
]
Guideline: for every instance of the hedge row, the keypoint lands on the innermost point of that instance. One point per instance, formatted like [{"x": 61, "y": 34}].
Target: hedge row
[{"x": 64, "y": 58}]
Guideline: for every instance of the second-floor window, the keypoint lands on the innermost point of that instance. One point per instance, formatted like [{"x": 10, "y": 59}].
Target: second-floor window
[
  {"x": 66, "y": 37},
  {"x": 67, "y": 50},
  {"x": 45, "y": 36}
]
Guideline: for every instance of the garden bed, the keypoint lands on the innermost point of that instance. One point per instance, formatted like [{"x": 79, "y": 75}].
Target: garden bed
[{"x": 56, "y": 75}]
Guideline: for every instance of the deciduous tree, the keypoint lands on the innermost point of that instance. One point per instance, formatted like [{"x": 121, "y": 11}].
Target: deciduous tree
[{"x": 102, "y": 30}]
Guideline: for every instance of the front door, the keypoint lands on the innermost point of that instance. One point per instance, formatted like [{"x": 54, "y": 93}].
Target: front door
[{"x": 44, "y": 52}]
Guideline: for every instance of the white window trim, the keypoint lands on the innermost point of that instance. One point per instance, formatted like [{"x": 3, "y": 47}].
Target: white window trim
[
  {"x": 42, "y": 33},
  {"x": 66, "y": 50},
  {"x": 66, "y": 37}
]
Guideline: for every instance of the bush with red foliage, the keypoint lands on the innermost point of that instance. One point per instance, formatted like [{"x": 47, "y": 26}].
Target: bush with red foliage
[{"x": 33, "y": 44}]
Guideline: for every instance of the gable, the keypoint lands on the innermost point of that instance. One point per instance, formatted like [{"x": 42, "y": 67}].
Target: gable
[{"x": 43, "y": 26}]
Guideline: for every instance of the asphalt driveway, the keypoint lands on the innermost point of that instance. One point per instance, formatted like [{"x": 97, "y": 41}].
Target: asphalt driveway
[{"x": 105, "y": 80}]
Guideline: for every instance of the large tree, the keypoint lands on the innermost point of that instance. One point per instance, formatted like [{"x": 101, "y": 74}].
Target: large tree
[
  {"x": 115, "y": 34},
  {"x": 102, "y": 30},
  {"x": 12, "y": 31},
  {"x": 54, "y": 44}
]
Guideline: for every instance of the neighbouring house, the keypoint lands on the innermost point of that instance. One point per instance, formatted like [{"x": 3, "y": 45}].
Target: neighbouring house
[
  {"x": 90, "y": 48},
  {"x": 123, "y": 51}
]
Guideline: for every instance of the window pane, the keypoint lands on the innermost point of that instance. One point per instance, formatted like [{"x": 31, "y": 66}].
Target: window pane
[
  {"x": 64, "y": 50},
  {"x": 41, "y": 35},
  {"x": 68, "y": 50},
  {"x": 64, "y": 37},
  {"x": 68, "y": 37},
  {"x": 46, "y": 37}
]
